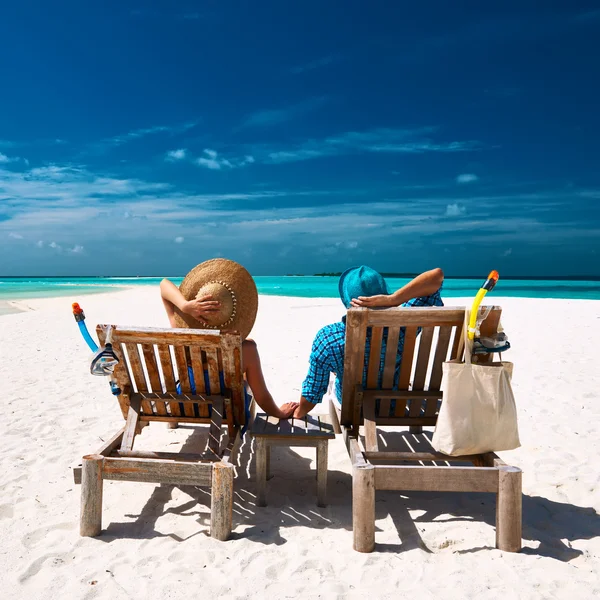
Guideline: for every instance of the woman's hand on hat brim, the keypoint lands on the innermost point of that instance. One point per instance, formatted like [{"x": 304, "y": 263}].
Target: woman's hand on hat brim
[
  {"x": 199, "y": 308},
  {"x": 372, "y": 301}
]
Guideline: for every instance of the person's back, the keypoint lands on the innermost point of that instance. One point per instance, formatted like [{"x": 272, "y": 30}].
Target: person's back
[{"x": 361, "y": 286}]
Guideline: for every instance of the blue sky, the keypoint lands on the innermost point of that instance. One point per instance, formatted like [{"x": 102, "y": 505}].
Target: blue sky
[{"x": 145, "y": 137}]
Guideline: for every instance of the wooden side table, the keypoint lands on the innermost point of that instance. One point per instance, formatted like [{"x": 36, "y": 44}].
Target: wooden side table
[{"x": 315, "y": 431}]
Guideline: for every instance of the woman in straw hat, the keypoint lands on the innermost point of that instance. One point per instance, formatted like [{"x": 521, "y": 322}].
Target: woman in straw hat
[{"x": 221, "y": 294}]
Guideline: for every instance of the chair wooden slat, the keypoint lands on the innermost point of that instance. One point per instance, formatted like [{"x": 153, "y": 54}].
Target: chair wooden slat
[
  {"x": 389, "y": 367},
  {"x": 196, "y": 358},
  {"x": 151, "y": 367},
  {"x": 212, "y": 361},
  {"x": 153, "y": 375},
  {"x": 441, "y": 352},
  {"x": 374, "y": 358},
  {"x": 184, "y": 379},
  {"x": 166, "y": 365},
  {"x": 425, "y": 339},
  {"x": 391, "y": 355},
  {"x": 137, "y": 372},
  {"x": 233, "y": 377},
  {"x": 408, "y": 352}
]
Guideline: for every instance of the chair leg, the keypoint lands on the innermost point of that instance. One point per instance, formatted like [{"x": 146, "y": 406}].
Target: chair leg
[
  {"x": 415, "y": 429},
  {"x": 334, "y": 418},
  {"x": 262, "y": 451},
  {"x": 173, "y": 424},
  {"x": 509, "y": 509},
  {"x": 221, "y": 510},
  {"x": 322, "y": 472},
  {"x": 90, "y": 523},
  {"x": 363, "y": 507},
  {"x": 268, "y": 453}
]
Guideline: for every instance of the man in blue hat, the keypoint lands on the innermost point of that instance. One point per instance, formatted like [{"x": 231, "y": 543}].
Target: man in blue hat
[{"x": 360, "y": 286}]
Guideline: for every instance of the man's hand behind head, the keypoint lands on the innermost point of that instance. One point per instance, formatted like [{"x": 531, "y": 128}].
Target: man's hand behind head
[{"x": 381, "y": 300}]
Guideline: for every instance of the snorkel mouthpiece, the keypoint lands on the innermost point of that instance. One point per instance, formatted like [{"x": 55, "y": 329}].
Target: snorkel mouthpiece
[
  {"x": 491, "y": 281},
  {"x": 78, "y": 312}
]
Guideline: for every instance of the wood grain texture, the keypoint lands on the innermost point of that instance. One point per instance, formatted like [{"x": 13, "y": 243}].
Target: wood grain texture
[
  {"x": 370, "y": 426},
  {"x": 90, "y": 521},
  {"x": 509, "y": 510},
  {"x": 157, "y": 471},
  {"x": 356, "y": 331},
  {"x": 374, "y": 358},
  {"x": 322, "y": 449},
  {"x": 221, "y": 511},
  {"x": 363, "y": 508},
  {"x": 440, "y": 479}
]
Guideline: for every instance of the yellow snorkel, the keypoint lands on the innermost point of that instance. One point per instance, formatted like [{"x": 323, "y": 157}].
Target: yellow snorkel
[{"x": 488, "y": 286}]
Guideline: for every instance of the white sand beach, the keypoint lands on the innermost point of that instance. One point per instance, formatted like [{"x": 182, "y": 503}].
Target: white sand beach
[{"x": 154, "y": 543}]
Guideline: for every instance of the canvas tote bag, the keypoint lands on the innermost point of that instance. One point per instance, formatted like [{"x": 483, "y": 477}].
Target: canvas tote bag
[{"x": 478, "y": 412}]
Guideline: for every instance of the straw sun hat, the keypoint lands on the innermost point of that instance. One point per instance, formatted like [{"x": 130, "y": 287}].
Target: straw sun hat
[{"x": 230, "y": 284}]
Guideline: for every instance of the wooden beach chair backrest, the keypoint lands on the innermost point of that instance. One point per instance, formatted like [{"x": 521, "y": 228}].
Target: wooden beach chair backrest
[
  {"x": 432, "y": 335},
  {"x": 153, "y": 361}
]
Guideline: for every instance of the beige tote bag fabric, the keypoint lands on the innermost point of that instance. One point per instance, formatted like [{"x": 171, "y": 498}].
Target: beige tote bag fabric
[{"x": 478, "y": 412}]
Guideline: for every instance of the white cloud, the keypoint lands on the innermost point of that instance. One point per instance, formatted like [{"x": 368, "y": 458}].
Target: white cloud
[
  {"x": 15, "y": 236},
  {"x": 467, "y": 178},
  {"x": 176, "y": 154},
  {"x": 179, "y": 239},
  {"x": 55, "y": 246},
  {"x": 212, "y": 160},
  {"x": 507, "y": 252},
  {"x": 77, "y": 249},
  {"x": 40, "y": 243},
  {"x": 455, "y": 210},
  {"x": 11, "y": 159}
]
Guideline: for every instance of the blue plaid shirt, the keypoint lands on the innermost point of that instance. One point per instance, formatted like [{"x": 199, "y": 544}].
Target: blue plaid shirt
[{"x": 327, "y": 355}]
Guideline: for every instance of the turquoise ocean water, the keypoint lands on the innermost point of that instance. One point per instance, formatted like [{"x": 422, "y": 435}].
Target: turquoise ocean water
[{"x": 305, "y": 287}]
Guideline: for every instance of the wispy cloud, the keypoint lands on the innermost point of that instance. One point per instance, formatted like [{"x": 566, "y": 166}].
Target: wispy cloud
[
  {"x": 467, "y": 178},
  {"x": 179, "y": 239},
  {"x": 381, "y": 140},
  {"x": 137, "y": 134},
  {"x": 174, "y": 155},
  {"x": 213, "y": 161},
  {"x": 15, "y": 236},
  {"x": 318, "y": 63},
  {"x": 276, "y": 116}
]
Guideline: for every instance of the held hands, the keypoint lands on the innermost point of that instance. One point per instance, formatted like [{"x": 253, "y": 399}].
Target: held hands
[
  {"x": 201, "y": 308},
  {"x": 287, "y": 409},
  {"x": 381, "y": 300}
]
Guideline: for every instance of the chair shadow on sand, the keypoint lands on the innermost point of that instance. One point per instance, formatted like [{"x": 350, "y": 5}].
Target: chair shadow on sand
[{"x": 292, "y": 502}]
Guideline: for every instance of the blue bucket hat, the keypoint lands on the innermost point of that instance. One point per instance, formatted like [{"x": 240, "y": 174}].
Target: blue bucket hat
[{"x": 360, "y": 281}]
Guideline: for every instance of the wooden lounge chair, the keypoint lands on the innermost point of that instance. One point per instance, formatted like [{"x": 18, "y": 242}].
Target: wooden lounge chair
[
  {"x": 155, "y": 374},
  {"x": 414, "y": 403}
]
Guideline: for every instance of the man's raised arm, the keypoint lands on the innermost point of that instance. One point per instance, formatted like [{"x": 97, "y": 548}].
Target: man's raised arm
[{"x": 424, "y": 284}]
